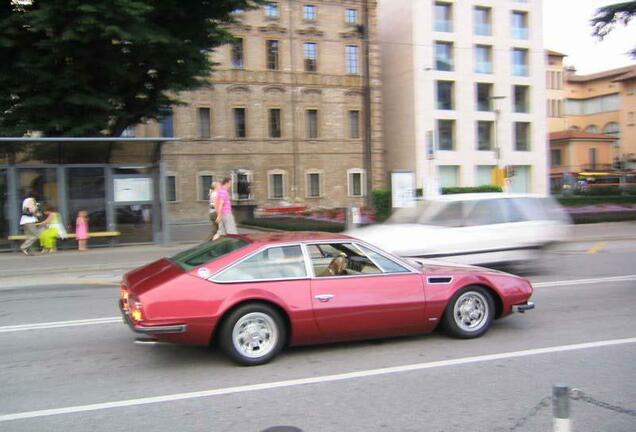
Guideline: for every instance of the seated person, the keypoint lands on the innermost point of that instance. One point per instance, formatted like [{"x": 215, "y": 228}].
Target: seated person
[{"x": 337, "y": 266}]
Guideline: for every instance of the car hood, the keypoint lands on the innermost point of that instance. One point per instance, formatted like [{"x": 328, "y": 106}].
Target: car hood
[
  {"x": 151, "y": 275},
  {"x": 442, "y": 267}
]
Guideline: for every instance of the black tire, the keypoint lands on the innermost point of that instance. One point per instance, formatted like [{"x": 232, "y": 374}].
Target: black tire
[
  {"x": 476, "y": 316},
  {"x": 268, "y": 333}
]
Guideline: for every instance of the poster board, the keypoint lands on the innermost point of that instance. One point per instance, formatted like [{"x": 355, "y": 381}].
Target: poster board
[
  {"x": 133, "y": 189},
  {"x": 402, "y": 189}
]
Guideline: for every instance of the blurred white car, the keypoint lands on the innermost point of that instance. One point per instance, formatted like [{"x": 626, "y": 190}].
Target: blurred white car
[{"x": 483, "y": 228}]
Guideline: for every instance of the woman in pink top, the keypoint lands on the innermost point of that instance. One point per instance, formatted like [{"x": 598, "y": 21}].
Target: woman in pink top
[
  {"x": 81, "y": 230},
  {"x": 224, "y": 216}
]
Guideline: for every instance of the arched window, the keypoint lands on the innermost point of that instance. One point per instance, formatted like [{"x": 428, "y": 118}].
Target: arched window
[
  {"x": 612, "y": 128},
  {"x": 592, "y": 129}
]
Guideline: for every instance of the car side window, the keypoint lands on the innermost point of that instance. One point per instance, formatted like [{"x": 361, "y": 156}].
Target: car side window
[
  {"x": 340, "y": 259},
  {"x": 486, "y": 212},
  {"x": 280, "y": 262},
  {"x": 450, "y": 215},
  {"x": 387, "y": 265}
]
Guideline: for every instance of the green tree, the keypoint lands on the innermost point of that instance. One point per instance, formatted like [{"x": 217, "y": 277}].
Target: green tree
[
  {"x": 606, "y": 18},
  {"x": 89, "y": 68}
]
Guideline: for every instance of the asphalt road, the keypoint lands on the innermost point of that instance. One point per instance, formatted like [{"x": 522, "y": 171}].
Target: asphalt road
[{"x": 95, "y": 378}]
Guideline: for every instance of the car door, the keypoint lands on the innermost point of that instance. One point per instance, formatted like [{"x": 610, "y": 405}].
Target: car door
[{"x": 374, "y": 295}]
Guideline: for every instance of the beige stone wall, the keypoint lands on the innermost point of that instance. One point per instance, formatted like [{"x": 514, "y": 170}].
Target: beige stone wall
[{"x": 330, "y": 90}]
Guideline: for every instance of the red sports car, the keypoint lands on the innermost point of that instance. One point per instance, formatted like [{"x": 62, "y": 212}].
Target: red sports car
[{"x": 256, "y": 293}]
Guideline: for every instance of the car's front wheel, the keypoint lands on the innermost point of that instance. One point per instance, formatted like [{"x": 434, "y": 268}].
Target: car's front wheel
[
  {"x": 252, "y": 334},
  {"x": 470, "y": 313}
]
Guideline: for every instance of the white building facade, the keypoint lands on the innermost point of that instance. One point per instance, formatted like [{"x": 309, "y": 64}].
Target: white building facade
[{"x": 468, "y": 76}]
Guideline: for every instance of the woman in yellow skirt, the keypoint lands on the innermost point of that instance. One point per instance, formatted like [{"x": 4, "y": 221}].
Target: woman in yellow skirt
[{"x": 54, "y": 228}]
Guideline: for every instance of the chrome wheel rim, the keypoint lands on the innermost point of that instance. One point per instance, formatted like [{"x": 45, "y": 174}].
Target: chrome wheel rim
[
  {"x": 471, "y": 311},
  {"x": 255, "y": 335}
]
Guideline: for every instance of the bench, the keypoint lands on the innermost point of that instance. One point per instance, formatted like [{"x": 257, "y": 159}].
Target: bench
[{"x": 95, "y": 234}]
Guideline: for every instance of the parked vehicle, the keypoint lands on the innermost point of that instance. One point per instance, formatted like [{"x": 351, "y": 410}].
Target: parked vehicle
[
  {"x": 254, "y": 294},
  {"x": 484, "y": 228}
]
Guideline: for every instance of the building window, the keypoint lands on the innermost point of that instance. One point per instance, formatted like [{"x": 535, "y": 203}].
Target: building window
[
  {"x": 204, "y": 122},
  {"x": 237, "y": 53},
  {"x": 592, "y": 129},
  {"x": 356, "y": 180},
  {"x": 241, "y": 184},
  {"x": 311, "y": 57},
  {"x": 274, "y": 123},
  {"x": 520, "y": 62},
  {"x": 482, "y": 21},
  {"x": 522, "y": 136},
  {"x": 309, "y": 13},
  {"x": 484, "y": 135},
  {"x": 445, "y": 95},
  {"x": 483, "y": 59},
  {"x": 171, "y": 188},
  {"x": 443, "y": 17},
  {"x": 519, "y": 25},
  {"x": 593, "y": 105},
  {"x": 166, "y": 123},
  {"x": 444, "y": 56},
  {"x": 448, "y": 177},
  {"x": 240, "y": 130},
  {"x": 313, "y": 185},
  {"x": 276, "y": 185},
  {"x": 271, "y": 47},
  {"x": 312, "y": 123},
  {"x": 271, "y": 10},
  {"x": 484, "y": 96},
  {"x": 205, "y": 181},
  {"x": 521, "y": 98},
  {"x": 446, "y": 135},
  {"x": 555, "y": 157},
  {"x": 351, "y": 16},
  {"x": 354, "y": 124},
  {"x": 351, "y": 59},
  {"x": 484, "y": 175},
  {"x": 612, "y": 129},
  {"x": 520, "y": 181}
]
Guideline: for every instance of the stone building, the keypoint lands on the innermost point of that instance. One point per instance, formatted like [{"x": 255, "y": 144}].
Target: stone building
[{"x": 285, "y": 114}]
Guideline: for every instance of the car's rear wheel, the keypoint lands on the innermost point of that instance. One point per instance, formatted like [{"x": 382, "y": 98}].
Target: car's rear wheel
[
  {"x": 252, "y": 334},
  {"x": 470, "y": 313}
]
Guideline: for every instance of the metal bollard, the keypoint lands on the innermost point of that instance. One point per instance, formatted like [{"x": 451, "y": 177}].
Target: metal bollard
[{"x": 561, "y": 408}]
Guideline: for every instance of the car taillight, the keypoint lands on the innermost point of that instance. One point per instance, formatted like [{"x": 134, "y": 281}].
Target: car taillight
[
  {"x": 136, "y": 312},
  {"x": 124, "y": 296}
]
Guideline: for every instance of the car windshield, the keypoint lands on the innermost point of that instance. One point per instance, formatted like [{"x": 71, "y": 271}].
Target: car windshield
[{"x": 207, "y": 252}]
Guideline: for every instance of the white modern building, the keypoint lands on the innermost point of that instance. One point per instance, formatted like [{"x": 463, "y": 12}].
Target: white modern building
[{"x": 468, "y": 76}]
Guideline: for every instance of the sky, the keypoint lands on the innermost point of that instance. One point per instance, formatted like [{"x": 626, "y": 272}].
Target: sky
[{"x": 567, "y": 29}]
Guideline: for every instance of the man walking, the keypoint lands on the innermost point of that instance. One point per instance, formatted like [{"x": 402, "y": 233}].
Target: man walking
[
  {"x": 224, "y": 216},
  {"x": 28, "y": 222}
]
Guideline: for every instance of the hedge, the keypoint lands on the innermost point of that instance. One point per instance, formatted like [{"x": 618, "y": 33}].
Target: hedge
[
  {"x": 582, "y": 200},
  {"x": 476, "y": 189},
  {"x": 294, "y": 224},
  {"x": 381, "y": 203}
]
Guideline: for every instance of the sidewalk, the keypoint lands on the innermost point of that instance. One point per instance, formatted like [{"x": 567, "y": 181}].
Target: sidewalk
[{"x": 108, "y": 264}]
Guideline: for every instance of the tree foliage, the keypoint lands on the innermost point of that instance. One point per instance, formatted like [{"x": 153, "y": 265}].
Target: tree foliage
[
  {"x": 606, "y": 18},
  {"x": 89, "y": 68}
]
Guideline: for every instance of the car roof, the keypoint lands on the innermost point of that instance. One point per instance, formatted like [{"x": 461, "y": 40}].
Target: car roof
[{"x": 291, "y": 236}]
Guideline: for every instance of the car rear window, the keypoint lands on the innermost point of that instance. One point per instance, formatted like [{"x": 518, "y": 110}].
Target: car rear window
[{"x": 207, "y": 252}]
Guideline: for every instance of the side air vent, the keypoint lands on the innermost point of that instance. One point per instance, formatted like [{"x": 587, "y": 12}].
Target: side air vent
[{"x": 440, "y": 280}]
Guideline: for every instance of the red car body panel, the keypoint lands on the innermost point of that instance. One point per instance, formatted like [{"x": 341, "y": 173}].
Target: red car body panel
[{"x": 365, "y": 306}]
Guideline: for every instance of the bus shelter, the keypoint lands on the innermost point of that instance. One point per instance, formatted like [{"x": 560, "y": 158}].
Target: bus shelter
[{"x": 119, "y": 182}]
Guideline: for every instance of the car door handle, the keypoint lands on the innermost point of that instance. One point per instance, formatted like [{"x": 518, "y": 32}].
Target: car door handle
[{"x": 324, "y": 297}]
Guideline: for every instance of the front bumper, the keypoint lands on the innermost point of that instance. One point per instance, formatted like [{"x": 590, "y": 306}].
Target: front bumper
[
  {"x": 152, "y": 330},
  {"x": 521, "y": 308}
]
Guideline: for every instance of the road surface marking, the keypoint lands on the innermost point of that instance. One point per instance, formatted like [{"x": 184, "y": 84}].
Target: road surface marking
[
  {"x": 624, "y": 278},
  {"x": 58, "y": 324},
  {"x": 109, "y": 320},
  {"x": 312, "y": 380},
  {"x": 598, "y": 246}
]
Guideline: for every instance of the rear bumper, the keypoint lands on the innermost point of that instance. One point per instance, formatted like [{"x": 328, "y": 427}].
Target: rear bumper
[
  {"x": 153, "y": 330},
  {"x": 521, "y": 308}
]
